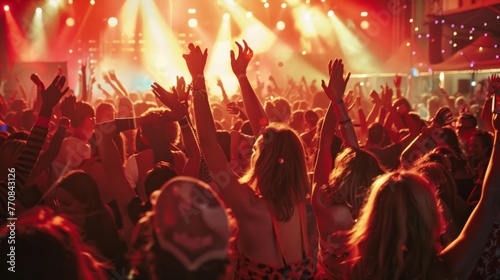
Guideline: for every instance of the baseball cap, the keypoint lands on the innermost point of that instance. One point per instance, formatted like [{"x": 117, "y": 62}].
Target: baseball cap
[
  {"x": 466, "y": 121},
  {"x": 190, "y": 222},
  {"x": 443, "y": 117}
]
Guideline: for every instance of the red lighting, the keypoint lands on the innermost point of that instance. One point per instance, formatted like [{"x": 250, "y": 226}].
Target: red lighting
[{"x": 6, "y": 8}]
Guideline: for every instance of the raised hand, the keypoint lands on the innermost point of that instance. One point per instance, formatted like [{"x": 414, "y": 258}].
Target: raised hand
[
  {"x": 239, "y": 64},
  {"x": 494, "y": 84},
  {"x": 106, "y": 78},
  {"x": 219, "y": 82},
  {"x": 349, "y": 99},
  {"x": 386, "y": 96},
  {"x": 52, "y": 95},
  {"x": 112, "y": 75},
  {"x": 39, "y": 84},
  {"x": 337, "y": 83},
  {"x": 83, "y": 67},
  {"x": 171, "y": 100},
  {"x": 195, "y": 60},
  {"x": 375, "y": 98},
  {"x": 182, "y": 90},
  {"x": 397, "y": 81},
  {"x": 232, "y": 108}
]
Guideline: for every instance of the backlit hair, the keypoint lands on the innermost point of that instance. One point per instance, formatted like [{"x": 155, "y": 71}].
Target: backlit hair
[
  {"x": 280, "y": 170},
  {"x": 439, "y": 177},
  {"x": 397, "y": 233},
  {"x": 354, "y": 172}
]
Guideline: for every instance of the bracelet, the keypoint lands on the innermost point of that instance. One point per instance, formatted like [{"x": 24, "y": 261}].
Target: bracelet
[
  {"x": 200, "y": 93},
  {"x": 345, "y": 121},
  {"x": 183, "y": 122},
  {"x": 241, "y": 76}
]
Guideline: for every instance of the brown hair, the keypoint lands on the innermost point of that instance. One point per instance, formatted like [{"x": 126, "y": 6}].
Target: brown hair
[
  {"x": 354, "y": 172},
  {"x": 280, "y": 170},
  {"x": 398, "y": 229}
]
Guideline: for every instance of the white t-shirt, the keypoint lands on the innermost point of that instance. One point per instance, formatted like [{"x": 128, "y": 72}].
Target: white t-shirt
[{"x": 73, "y": 151}]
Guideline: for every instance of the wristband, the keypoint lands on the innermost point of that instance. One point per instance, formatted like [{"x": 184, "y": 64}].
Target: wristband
[
  {"x": 200, "y": 93},
  {"x": 183, "y": 122},
  {"x": 344, "y": 121},
  {"x": 240, "y": 76},
  {"x": 123, "y": 124}
]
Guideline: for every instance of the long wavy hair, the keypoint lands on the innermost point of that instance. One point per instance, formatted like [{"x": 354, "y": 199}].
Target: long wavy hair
[
  {"x": 353, "y": 173},
  {"x": 160, "y": 135},
  {"x": 280, "y": 170},
  {"x": 441, "y": 179},
  {"x": 396, "y": 236}
]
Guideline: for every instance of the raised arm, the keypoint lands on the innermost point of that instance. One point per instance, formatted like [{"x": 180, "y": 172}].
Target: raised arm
[
  {"x": 324, "y": 161},
  {"x": 235, "y": 195},
  {"x": 112, "y": 163},
  {"x": 374, "y": 112},
  {"x": 335, "y": 91},
  {"x": 40, "y": 87},
  {"x": 461, "y": 255},
  {"x": 84, "y": 94},
  {"x": 486, "y": 113},
  {"x": 25, "y": 162},
  {"x": 180, "y": 114},
  {"x": 397, "y": 85},
  {"x": 255, "y": 111},
  {"x": 225, "y": 99},
  {"x": 108, "y": 81},
  {"x": 114, "y": 78}
]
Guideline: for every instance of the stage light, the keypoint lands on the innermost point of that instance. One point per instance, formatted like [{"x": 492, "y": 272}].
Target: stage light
[
  {"x": 6, "y": 8},
  {"x": 38, "y": 10},
  {"x": 364, "y": 25},
  {"x": 192, "y": 22},
  {"x": 283, "y": 5},
  {"x": 280, "y": 25},
  {"x": 330, "y": 13},
  {"x": 249, "y": 14},
  {"x": 92, "y": 2},
  {"x": 70, "y": 2},
  {"x": 266, "y": 5},
  {"x": 226, "y": 16},
  {"x": 191, "y": 11},
  {"x": 364, "y": 14},
  {"x": 54, "y": 3},
  {"x": 70, "y": 21},
  {"x": 112, "y": 21}
]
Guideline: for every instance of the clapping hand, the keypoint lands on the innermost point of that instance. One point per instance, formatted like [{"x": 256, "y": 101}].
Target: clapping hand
[{"x": 239, "y": 64}]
